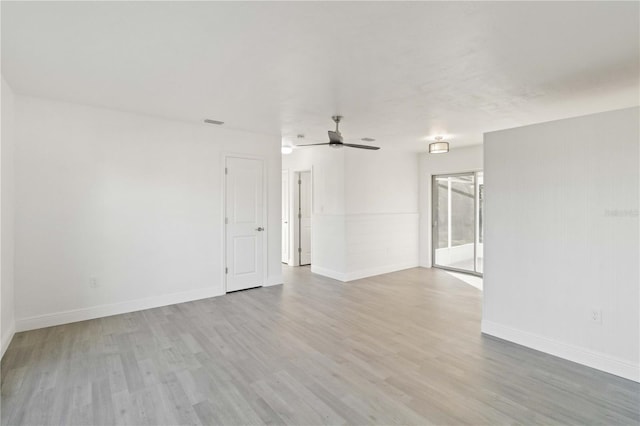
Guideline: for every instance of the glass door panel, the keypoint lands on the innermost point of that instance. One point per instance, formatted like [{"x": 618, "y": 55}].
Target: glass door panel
[{"x": 456, "y": 213}]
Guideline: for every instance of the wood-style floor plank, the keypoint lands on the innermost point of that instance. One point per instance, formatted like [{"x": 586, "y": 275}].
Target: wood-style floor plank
[{"x": 402, "y": 348}]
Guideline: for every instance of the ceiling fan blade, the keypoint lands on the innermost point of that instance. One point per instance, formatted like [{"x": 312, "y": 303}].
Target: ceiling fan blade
[
  {"x": 313, "y": 144},
  {"x": 335, "y": 136},
  {"x": 353, "y": 145}
]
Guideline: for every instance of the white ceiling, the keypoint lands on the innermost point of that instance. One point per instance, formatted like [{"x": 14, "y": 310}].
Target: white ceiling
[{"x": 399, "y": 72}]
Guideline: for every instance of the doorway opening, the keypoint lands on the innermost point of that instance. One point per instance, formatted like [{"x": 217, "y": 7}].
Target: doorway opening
[
  {"x": 297, "y": 194},
  {"x": 457, "y": 222}
]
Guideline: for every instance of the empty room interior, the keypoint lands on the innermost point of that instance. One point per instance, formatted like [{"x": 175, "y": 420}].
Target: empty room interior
[{"x": 320, "y": 213}]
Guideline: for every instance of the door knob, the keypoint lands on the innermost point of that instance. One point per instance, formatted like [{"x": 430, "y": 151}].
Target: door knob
[{"x": 260, "y": 228}]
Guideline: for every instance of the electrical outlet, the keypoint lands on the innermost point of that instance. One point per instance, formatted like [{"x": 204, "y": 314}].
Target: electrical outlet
[
  {"x": 596, "y": 316},
  {"x": 93, "y": 282}
]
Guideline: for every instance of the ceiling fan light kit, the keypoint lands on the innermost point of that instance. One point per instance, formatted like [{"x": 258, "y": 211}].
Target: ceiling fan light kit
[
  {"x": 336, "y": 141},
  {"x": 438, "y": 147}
]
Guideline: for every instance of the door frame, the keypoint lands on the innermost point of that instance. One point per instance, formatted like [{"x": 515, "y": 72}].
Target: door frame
[
  {"x": 265, "y": 204},
  {"x": 294, "y": 236},
  {"x": 288, "y": 209},
  {"x": 434, "y": 232}
]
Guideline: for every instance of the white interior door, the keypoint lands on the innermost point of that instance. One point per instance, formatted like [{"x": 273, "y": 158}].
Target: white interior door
[
  {"x": 305, "y": 217},
  {"x": 244, "y": 220},
  {"x": 285, "y": 216}
]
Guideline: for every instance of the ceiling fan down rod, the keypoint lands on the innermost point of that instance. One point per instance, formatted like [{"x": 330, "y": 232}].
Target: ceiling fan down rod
[{"x": 337, "y": 119}]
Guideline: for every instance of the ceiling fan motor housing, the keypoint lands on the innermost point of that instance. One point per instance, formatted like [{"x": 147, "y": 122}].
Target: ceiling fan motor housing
[{"x": 336, "y": 141}]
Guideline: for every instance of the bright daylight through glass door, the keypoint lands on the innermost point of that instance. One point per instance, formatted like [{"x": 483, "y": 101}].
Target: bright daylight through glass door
[{"x": 457, "y": 222}]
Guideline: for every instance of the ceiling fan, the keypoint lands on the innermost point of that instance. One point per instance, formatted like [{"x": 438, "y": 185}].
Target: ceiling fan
[{"x": 335, "y": 138}]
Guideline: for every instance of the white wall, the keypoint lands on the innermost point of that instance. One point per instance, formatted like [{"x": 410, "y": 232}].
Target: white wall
[
  {"x": 365, "y": 214},
  {"x": 382, "y": 219},
  {"x": 562, "y": 237},
  {"x": 132, "y": 200},
  {"x": 381, "y": 182},
  {"x": 328, "y": 202},
  {"x": 467, "y": 159},
  {"x": 7, "y": 318}
]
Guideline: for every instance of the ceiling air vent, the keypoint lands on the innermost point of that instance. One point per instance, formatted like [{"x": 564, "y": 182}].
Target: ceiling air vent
[{"x": 216, "y": 122}]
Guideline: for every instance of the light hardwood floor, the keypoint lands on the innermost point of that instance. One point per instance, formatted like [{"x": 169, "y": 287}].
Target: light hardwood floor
[{"x": 401, "y": 348}]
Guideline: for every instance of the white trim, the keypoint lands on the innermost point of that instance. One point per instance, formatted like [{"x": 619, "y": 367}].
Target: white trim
[
  {"x": 273, "y": 280},
  {"x": 371, "y": 272},
  {"x": 329, "y": 273},
  {"x": 363, "y": 273},
  {"x": 359, "y": 215},
  {"x": 287, "y": 208},
  {"x": 83, "y": 314},
  {"x": 577, "y": 354},
  {"x": 6, "y": 340}
]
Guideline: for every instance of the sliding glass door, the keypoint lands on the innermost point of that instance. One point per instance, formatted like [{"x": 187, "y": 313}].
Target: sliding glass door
[
  {"x": 457, "y": 217},
  {"x": 479, "y": 221}
]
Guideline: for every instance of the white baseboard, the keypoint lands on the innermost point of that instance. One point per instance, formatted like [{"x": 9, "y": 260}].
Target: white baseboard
[
  {"x": 273, "y": 280},
  {"x": 6, "y": 339},
  {"x": 365, "y": 273},
  {"x": 577, "y": 354},
  {"x": 83, "y": 314},
  {"x": 340, "y": 276}
]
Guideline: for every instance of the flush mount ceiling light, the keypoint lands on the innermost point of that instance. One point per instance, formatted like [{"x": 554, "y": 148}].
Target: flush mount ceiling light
[
  {"x": 286, "y": 148},
  {"x": 438, "y": 147}
]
